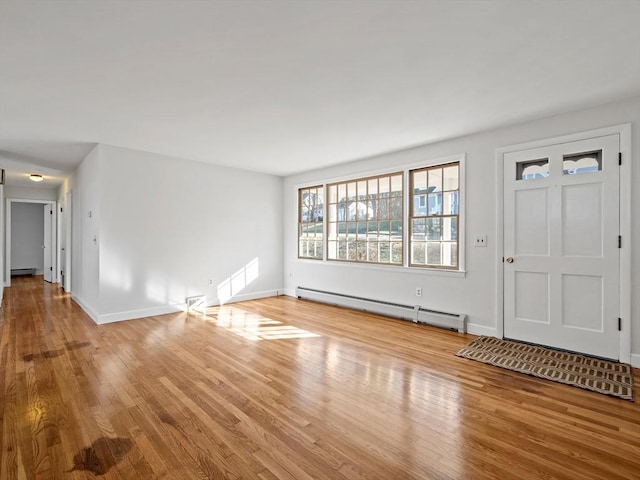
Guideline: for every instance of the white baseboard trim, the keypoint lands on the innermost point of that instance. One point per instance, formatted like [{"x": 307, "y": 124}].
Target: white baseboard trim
[
  {"x": 247, "y": 296},
  {"x": 289, "y": 292},
  {"x": 475, "y": 329},
  {"x": 163, "y": 309},
  {"x": 93, "y": 315},
  {"x": 635, "y": 360},
  {"x": 142, "y": 313}
]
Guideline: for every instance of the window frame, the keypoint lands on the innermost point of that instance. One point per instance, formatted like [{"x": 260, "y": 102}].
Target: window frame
[
  {"x": 412, "y": 216},
  {"x": 300, "y": 222},
  {"x": 400, "y": 220},
  {"x": 405, "y": 168}
]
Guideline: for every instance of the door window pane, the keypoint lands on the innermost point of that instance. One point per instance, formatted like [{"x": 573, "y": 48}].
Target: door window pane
[
  {"x": 532, "y": 169},
  {"x": 582, "y": 163}
]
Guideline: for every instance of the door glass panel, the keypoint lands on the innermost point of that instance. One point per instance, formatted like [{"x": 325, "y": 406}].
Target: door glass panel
[
  {"x": 582, "y": 163},
  {"x": 532, "y": 169}
]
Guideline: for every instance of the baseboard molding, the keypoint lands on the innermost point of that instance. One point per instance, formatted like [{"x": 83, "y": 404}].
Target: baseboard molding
[
  {"x": 247, "y": 296},
  {"x": 475, "y": 329},
  {"x": 635, "y": 360},
  {"x": 289, "y": 292},
  {"x": 141, "y": 313},
  {"x": 93, "y": 315},
  {"x": 163, "y": 309}
]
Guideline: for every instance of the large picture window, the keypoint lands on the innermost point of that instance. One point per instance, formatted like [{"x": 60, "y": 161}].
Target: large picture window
[
  {"x": 434, "y": 212},
  {"x": 365, "y": 220},
  {"x": 310, "y": 222}
]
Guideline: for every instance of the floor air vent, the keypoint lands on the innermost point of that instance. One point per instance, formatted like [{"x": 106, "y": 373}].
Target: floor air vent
[{"x": 415, "y": 313}]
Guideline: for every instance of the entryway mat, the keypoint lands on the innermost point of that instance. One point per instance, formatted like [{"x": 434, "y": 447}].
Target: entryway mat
[{"x": 602, "y": 376}]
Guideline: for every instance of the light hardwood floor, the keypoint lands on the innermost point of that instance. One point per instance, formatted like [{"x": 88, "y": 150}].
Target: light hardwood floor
[{"x": 281, "y": 388}]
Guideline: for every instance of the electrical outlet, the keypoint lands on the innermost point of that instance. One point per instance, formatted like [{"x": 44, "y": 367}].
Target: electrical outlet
[
  {"x": 418, "y": 292},
  {"x": 211, "y": 282},
  {"x": 290, "y": 274},
  {"x": 480, "y": 240}
]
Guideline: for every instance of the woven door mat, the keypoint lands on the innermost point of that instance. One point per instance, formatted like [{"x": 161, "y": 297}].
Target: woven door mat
[{"x": 602, "y": 376}]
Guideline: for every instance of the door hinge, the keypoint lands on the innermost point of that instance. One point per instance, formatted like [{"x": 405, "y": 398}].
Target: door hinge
[
  {"x": 50, "y": 212},
  {"x": 619, "y": 241},
  {"x": 51, "y": 269},
  {"x": 619, "y": 158},
  {"x": 60, "y": 209},
  {"x": 619, "y": 324}
]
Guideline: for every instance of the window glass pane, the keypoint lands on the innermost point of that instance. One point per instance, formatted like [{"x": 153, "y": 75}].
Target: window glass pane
[
  {"x": 372, "y": 188},
  {"x": 333, "y": 194},
  {"x": 396, "y": 207},
  {"x": 532, "y": 169},
  {"x": 417, "y": 253},
  {"x": 332, "y": 231},
  {"x": 342, "y": 250},
  {"x": 396, "y": 229},
  {"x": 351, "y": 250},
  {"x": 420, "y": 181},
  {"x": 383, "y": 209},
  {"x": 418, "y": 228},
  {"x": 450, "y": 178},
  {"x": 396, "y": 253},
  {"x": 396, "y": 185},
  {"x": 419, "y": 205},
  {"x": 362, "y": 189},
  {"x": 351, "y": 210},
  {"x": 351, "y": 191},
  {"x": 433, "y": 253},
  {"x": 450, "y": 228},
  {"x": 449, "y": 254},
  {"x": 435, "y": 179},
  {"x": 342, "y": 192},
  {"x": 434, "y": 204},
  {"x": 434, "y": 228},
  {"x": 384, "y": 251},
  {"x": 383, "y": 186},
  {"x": 582, "y": 163},
  {"x": 450, "y": 203}
]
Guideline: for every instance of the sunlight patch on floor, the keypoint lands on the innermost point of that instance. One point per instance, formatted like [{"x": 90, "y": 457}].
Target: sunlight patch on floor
[{"x": 253, "y": 326}]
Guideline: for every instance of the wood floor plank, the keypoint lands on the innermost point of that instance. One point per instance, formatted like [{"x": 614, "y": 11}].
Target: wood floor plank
[{"x": 281, "y": 388}]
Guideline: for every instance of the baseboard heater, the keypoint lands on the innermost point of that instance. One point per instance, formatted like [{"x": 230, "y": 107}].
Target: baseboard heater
[{"x": 414, "y": 313}]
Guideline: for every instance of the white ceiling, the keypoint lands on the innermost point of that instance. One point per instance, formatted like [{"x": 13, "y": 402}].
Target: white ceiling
[{"x": 282, "y": 87}]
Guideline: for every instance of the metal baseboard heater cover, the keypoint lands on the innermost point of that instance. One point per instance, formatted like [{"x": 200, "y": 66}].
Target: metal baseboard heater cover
[{"x": 414, "y": 313}]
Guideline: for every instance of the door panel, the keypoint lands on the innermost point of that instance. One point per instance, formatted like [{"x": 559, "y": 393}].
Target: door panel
[
  {"x": 46, "y": 247},
  {"x": 561, "y": 211}
]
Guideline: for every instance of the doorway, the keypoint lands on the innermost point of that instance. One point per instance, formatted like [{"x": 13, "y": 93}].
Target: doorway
[
  {"x": 31, "y": 239},
  {"x": 562, "y": 269}
]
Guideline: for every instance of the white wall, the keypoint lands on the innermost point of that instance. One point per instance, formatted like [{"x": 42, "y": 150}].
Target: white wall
[
  {"x": 31, "y": 193},
  {"x": 27, "y": 236},
  {"x": 164, "y": 227},
  {"x": 85, "y": 184},
  {"x": 474, "y": 293}
]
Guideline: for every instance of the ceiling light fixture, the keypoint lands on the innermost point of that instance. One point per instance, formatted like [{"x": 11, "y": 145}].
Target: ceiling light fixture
[{"x": 36, "y": 177}]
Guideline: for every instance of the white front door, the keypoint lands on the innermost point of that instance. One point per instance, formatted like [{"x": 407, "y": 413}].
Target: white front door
[
  {"x": 47, "y": 243},
  {"x": 561, "y": 227}
]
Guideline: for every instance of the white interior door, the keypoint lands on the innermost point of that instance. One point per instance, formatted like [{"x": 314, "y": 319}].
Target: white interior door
[
  {"x": 561, "y": 227},
  {"x": 68, "y": 246},
  {"x": 47, "y": 246}
]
